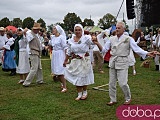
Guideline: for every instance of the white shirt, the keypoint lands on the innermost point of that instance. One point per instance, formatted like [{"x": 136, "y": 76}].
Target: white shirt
[
  {"x": 101, "y": 40},
  {"x": 133, "y": 46},
  {"x": 30, "y": 37},
  {"x": 154, "y": 42},
  {"x": 149, "y": 37},
  {"x": 3, "y": 40},
  {"x": 9, "y": 43}
]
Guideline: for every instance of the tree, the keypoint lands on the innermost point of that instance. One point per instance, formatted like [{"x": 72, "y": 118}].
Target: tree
[
  {"x": 28, "y": 22},
  {"x": 4, "y": 22},
  {"x": 50, "y": 27},
  {"x": 70, "y": 20},
  {"x": 88, "y": 22},
  {"x": 107, "y": 21},
  {"x": 17, "y": 22},
  {"x": 43, "y": 24}
]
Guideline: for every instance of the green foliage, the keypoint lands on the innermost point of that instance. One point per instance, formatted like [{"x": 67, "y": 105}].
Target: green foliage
[
  {"x": 49, "y": 27},
  {"x": 46, "y": 102},
  {"x": 28, "y": 23},
  {"x": 43, "y": 24},
  {"x": 70, "y": 20},
  {"x": 88, "y": 22},
  {"x": 107, "y": 21},
  {"x": 4, "y": 22},
  {"x": 17, "y": 22}
]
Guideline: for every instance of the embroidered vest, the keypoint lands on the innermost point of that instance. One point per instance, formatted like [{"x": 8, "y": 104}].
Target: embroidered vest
[
  {"x": 120, "y": 48},
  {"x": 119, "y": 53}
]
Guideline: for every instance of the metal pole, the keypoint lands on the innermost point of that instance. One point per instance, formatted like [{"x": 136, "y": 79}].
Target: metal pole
[{"x": 119, "y": 9}]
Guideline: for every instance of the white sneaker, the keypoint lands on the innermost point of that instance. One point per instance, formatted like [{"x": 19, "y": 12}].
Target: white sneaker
[
  {"x": 25, "y": 84},
  {"x": 41, "y": 82},
  {"x": 21, "y": 81}
]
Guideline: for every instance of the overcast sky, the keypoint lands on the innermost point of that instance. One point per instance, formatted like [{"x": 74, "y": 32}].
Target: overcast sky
[{"x": 53, "y": 11}]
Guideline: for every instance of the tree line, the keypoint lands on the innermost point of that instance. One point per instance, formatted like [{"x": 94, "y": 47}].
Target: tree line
[{"x": 68, "y": 22}]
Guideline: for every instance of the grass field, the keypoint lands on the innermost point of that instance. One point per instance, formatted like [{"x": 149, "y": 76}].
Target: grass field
[{"x": 46, "y": 102}]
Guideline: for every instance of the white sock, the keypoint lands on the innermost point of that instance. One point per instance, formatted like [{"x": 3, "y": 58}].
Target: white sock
[
  {"x": 134, "y": 71},
  {"x": 85, "y": 92},
  {"x": 79, "y": 94}
]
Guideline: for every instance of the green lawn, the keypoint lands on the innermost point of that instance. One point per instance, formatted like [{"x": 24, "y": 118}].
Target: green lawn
[{"x": 46, "y": 102}]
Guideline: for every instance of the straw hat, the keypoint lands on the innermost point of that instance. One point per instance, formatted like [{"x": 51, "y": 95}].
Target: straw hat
[
  {"x": 36, "y": 26},
  {"x": 2, "y": 29}
]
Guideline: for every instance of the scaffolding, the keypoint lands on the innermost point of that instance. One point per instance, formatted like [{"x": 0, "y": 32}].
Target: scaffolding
[{"x": 138, "y": 12}]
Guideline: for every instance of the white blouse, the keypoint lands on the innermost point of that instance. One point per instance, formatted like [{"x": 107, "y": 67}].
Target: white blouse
[
  {"x": 58, "y": 43},
  {"x": 81, "y": 47}
]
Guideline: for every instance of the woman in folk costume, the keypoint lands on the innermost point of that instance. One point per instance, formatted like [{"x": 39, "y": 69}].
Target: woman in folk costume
[
  {"x": 79, "y": 71},
  {"x": 58, "y": 43},
  {"x": 9, "y": 63},
  {"x": 22, "y": 56}
]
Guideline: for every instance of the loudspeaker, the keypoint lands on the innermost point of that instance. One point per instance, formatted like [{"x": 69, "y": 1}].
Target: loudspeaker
[
  {"x": 155, "y": 14},
  {"x": 130, "y": 9}
]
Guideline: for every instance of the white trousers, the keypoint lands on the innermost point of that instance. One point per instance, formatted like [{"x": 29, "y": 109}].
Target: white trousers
[
  {"x": 156, "y": 60},
  {"x": 122, "y": 76},
  {"x": 36, "y": 70},
  {"x": 1, "y": 54}
]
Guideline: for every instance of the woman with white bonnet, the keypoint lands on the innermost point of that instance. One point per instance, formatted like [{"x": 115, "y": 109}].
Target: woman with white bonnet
[
  {"x": 22, "y": 56},
  {"x": 79, "y": 70},
  {"x": 58, "y": 44}
]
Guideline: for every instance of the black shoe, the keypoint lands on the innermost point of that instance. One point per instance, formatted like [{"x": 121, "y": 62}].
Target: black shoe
[{"x": 12, "y": 73}]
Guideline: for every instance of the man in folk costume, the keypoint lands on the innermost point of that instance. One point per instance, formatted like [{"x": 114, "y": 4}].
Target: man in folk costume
[
  {"x": 120, "y": 46},
  {"x": 35, "y": 53},
  {"x": 156, "y": 43},
  {"x": 3, "y": 40}
]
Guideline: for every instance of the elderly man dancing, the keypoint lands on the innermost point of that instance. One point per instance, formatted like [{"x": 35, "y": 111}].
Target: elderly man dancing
[{"x": 120, "y": 46}]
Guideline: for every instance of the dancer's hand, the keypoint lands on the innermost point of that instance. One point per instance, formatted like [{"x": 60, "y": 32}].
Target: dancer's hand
[
  {"x": 94, "y": 39},
  {"x": 152, "y": 53},
  {"x": 24, "y": 31},
  {"x": 156, "y": 53}
]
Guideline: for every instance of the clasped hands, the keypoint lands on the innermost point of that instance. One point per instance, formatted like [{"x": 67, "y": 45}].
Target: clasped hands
[{"x": 153, "y": 53}]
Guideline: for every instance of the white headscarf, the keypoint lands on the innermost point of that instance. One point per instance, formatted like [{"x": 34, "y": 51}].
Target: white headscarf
[
  {"x": 79, "y": 25},
  {"x": 60, "y": 30}
]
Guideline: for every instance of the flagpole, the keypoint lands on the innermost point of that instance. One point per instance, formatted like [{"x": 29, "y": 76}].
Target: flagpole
[{"x": 119, "y": 9}]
